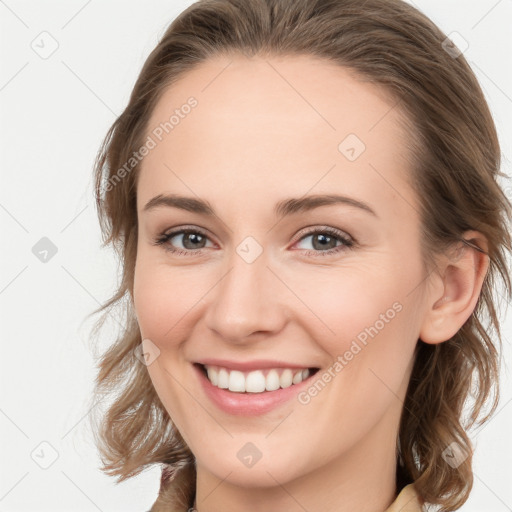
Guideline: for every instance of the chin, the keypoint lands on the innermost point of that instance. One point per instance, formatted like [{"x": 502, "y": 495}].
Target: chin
[{"x": 246, "y": 466}]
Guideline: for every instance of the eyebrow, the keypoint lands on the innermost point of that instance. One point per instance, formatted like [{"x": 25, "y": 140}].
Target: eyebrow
[{"x": 281, "y": 209}]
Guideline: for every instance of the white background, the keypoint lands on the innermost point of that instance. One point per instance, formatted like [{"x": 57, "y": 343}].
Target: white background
[{"x": 54, "y": 114}]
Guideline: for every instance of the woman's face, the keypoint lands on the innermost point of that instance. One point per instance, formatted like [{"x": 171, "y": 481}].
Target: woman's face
[{"x": 266, "y": 291}]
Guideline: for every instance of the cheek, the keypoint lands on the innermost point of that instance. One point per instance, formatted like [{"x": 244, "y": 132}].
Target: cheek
[
  {"x": 163, "y": 297},
  {"x": 368, "y": 321},
  {"x": 342, "y": 303},
  {"x": 370, "y": 353}
]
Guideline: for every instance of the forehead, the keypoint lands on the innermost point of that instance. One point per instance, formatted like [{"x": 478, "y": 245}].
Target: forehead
[{"x": 281, "y": 127}]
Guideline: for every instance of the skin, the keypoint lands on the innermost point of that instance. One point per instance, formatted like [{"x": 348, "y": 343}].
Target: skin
[{"x": 265, "y": 130}]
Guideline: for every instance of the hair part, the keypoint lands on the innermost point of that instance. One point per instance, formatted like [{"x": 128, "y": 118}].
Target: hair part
[{"x": 455, "y": 169}]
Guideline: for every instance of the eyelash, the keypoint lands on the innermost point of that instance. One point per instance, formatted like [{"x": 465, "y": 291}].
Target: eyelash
[{"x": 348, "y": 242}]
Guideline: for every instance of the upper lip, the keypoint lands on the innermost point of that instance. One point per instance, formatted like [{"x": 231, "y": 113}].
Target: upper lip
[{"x": 257, "y": 364}]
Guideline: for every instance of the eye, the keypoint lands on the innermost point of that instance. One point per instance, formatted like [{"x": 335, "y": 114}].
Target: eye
[
  {"x": 327, "y": 241},
  {"x": 193, "y": 240}
]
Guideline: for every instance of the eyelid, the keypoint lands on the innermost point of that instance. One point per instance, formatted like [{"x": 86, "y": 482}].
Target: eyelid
[
  {"x": 318, "y": 228},
  {"x": 186, "y": 228}
]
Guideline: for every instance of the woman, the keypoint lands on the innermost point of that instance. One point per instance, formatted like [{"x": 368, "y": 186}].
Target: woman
[{"x": 304, "y": 197}]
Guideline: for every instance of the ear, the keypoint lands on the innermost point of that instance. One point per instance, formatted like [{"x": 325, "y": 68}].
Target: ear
[{"x": 454, "y": 288}]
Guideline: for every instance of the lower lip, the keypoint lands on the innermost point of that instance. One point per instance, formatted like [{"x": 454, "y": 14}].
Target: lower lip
[{"x": 248, "y": 404}]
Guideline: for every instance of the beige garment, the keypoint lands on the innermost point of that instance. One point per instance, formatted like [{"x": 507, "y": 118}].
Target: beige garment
[{"x": 406, "y": 501}]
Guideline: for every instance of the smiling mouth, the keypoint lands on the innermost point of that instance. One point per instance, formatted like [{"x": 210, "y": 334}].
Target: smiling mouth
[{"x": 256, "y": 381}]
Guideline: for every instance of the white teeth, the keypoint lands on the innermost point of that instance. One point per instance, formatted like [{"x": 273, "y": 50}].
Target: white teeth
[
  {"x": 236, "y": 381},
  {"x": 286, "y": 378},
  {"x": 272, "y": 381},
  {"x": 223, "y": 379},
  {"x": 213, "y": 376},
  {"x": 255, "y": 381},
  {"x": 297, "y": 378}
]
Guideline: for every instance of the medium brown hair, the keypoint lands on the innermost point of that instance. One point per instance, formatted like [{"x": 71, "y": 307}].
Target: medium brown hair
[{"x": 455, "y": 174}]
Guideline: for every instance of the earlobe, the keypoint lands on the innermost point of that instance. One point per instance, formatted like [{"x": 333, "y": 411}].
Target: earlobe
[{"x": 455, "y": 290}]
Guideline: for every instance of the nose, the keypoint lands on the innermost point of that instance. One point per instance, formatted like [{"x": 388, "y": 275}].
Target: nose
[{"x": 247, "y": 303}]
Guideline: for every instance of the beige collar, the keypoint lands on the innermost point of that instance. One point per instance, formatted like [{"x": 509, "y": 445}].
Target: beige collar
[{"x": 407, "y": 501}]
